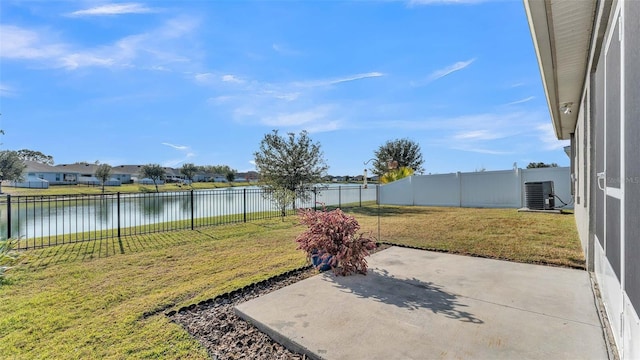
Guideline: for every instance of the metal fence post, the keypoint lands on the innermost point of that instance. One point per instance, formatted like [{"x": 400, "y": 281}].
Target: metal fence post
[
  {"x": 244, "y": 204},
  {"x": 192, "y": 212},
  {"x": 315, "y": 198},
  {"x": 360, "y": 188},
  {"x": 339, "y": 196},
  {"x": 118, "y": 209},
  {"x": 8, "y": 216}
]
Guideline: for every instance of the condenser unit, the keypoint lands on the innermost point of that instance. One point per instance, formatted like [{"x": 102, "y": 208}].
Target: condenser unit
[{"x": 539, "y": 195}]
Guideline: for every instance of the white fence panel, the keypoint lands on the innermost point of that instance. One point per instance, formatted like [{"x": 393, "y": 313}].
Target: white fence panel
[
  {"x": 504, "y": 189},
  {"x": 436, "y": 190},
  {"x": 494, "y": 189},
  {"x": 398, "y": 192}
]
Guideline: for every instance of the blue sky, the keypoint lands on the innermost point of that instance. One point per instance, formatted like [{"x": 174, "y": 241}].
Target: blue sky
[{"x": 171, "y": 82}]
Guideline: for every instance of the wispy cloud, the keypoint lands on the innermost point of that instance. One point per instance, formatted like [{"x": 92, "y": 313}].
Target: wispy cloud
[
  {"x": 113, "y": 9},
  {"x": 295, "y": 105},
  {"x": 448, "y": 70},
  {"x": 177, "y": 147},
  {"x": 548, "y": 137},
  {"x": 186, "y": 150},
  {"x": 357, "y": 77},
  {"x": 335, "y": 81},
  {"x": 527, "y": 99},
  {"x": 6, "y": 91},
  {"x": 318, "y": 119},
  {"x": 478, "y": 135},
  {"x": 20, "y": 43},
  {"x": 232, "y": 79},
  {"x": 481, "y": 150},
  {"x": 285, "y": 50},
  {"x": 144, "y": 51}
]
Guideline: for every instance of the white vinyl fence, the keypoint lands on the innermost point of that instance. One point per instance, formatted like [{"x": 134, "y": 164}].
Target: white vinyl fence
[{"x": 493, "y": 189}]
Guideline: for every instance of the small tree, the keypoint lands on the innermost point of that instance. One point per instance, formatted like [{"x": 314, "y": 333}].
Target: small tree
[
  {"x": 154, "y": 172},
  {"x": 103, "y": 173},
  {"x": 289, "y": 166},
  {"x": 189, "y": 170},
  {"x": 11, "y": 166},
  {"x": 396, "y": 154},
  {"x": 332, "y": 235},
  {"x": 231, "y": 176}
]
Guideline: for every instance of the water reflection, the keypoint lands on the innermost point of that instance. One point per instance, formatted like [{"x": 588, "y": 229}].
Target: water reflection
[{"x": 51, "y": 216}]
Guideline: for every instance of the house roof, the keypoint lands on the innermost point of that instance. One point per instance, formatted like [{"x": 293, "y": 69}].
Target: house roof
[
  {"x": 79, "y": 168},
  {"x": 33, "y": 166},
  {"x": 562, "y": 32},
  {"x": 128, "y": 169},
  {"x": 91, "y": 168}
]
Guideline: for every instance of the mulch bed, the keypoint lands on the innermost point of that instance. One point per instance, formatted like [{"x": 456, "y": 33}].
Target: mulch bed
[{"x": 225, "y": 335}]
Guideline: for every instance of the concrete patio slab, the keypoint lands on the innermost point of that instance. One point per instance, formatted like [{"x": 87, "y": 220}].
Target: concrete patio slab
[{"x": 416, "y": 304}]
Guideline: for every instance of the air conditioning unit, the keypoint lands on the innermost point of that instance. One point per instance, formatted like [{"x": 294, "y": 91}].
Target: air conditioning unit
[{"x": 539, "y": 195}]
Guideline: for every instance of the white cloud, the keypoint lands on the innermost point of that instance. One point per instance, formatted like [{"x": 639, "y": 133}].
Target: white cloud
[
  {"x": 548, "y": 137},
  {"x": 357, "y": 77},
  {"x": 186, "y": 150},
  {"x": 285, "y": 50},
  {"x": 113, "y": 9},
  {"x": 298, "y": 118},
  {"x": 177, "y": 147},
  {"x": 6, "y": 91},
  {"x": 203, "y": 77},
  {"x": 450, "y": 69},
  {"x": 74, "y": 61},
  {"x": 478, "y": 135},
  {"x": 480, "y": 150},
  {"x": 327, "y": 82},
  {"x": 19, "y": 43},
  {"x": 232, "y": 79},
  {"x": 527, "y": 99},
  {"x": 145, "y": 51}
]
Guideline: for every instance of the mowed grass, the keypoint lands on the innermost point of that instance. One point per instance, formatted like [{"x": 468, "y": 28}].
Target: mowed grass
[
  {"x": 106, "y": 299},
  {"x": 90, "y": 301},
  {"x": 539, "y": 238}
]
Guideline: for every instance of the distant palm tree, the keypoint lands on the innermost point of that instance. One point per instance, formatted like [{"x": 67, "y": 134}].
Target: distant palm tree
[{"x": 396, "y": 174}]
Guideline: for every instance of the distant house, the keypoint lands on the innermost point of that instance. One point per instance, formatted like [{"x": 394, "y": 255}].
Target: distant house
[
  {"x": 87, "y": 174},
  {"x": 37, "y": 175}
]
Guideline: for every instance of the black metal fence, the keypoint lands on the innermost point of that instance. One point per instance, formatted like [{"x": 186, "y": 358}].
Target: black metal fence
[{"x": 47, "y": 220}]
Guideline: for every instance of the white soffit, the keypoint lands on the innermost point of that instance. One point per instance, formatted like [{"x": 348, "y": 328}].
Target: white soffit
[{"x": 561, "y": 31}]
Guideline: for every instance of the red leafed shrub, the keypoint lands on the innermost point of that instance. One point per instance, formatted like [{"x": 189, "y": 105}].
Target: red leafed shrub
[{"x": 332, "y": 235}]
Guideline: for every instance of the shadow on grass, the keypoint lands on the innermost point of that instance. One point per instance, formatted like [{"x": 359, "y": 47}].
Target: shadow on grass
[
  {"x": 411, "y": 294},
  {"x": 96, "y": 249},
  {"x": 386, "y": 210}
]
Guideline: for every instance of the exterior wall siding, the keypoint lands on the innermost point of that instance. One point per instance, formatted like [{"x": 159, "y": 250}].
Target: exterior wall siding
[{"x": 609, "y": 143}]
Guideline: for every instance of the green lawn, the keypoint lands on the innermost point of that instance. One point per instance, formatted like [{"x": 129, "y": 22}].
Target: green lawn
[{"x": 89, "y": 300}]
